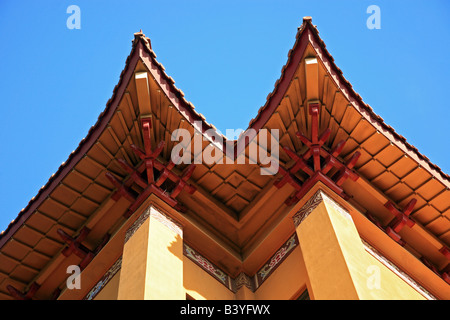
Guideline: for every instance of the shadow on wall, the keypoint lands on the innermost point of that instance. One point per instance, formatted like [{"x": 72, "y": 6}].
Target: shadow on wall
[{"x": 198, "y": 283}]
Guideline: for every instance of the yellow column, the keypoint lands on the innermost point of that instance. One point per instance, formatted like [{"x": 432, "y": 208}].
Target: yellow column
[
  {"x": 332, "y": 250},
  {"x": 152, "y": 260}
]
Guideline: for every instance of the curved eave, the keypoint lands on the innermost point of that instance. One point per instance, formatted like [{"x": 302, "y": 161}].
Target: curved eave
[
  {"x": 141, "y": 49},
  {"x": 308, "y": 33},
  {"x": 76, "y": 155}
]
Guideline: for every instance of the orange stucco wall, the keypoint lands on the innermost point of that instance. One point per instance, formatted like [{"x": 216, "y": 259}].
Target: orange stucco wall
[
  {"x": 110, "y": 290},
  {"x": 390, "y": 285},
  {"x": 152, "y": 266},
  {"x": 200, "y": 285},
  {"x": 337, "y": 264},
  {"x": 197, "y": 283},
  {"x": 286, "y": 282},
  {"x": 331, "y": 261}
]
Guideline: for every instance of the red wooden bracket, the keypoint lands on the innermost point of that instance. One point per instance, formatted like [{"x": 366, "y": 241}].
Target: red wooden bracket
[
  {"x": 444, "y": 275},
  {"x": 445, "y": 251},
  {"x": 401, "y": 219},
  {"x": 121, "y": 191},
  {"x": 102, "y": 244},
  {"x": 287, "y": 177},
  {"x": 75, "y": 246},
  {"x": 429, "y": 265},
  {"x": 151, "y": 174},
  {"x": 56, "y": 293},
  {"x": 374, "y": 221},
  {"x": 182, "y": 182},
  {"x": 322, "y": 162},
  {"x": 18, "y": 295},
  {"x": 396, "y": 237}
]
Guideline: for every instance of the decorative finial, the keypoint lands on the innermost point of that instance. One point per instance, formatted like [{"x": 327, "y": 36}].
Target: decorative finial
[{"x": 140, "y": 35}]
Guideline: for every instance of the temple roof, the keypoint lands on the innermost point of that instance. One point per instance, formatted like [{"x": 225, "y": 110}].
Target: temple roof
[
  {"x": 227, "y": 197},
  {"x": 339, "y": 79}
]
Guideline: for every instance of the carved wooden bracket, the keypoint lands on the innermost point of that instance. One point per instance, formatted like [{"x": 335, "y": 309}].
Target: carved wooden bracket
[
  {"x": 317, "y": 162},
  {"x": 151, "y": 175}
]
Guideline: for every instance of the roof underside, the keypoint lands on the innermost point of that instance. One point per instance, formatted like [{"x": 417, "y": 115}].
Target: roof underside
[{"x": 389, "y": 167}]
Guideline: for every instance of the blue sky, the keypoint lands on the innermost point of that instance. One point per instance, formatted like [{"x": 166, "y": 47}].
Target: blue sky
[{"x": 224, "y": 55}]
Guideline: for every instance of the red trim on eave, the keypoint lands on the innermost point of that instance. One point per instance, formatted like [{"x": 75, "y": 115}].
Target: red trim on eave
[
  {"x": 307, "y": 34},
  {"x": 367, "y": 112},
  {"x": 275, "y": 98},
  {"x": 175, "y": 96},
  {"x": 283, "y": 85},
  {"x": 93, "y": 134}
]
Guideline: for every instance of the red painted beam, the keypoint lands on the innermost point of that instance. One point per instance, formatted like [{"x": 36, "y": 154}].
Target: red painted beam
[
  {"x": 16, "y": 294},
  {"x": 401, "y": 218},
  {"x": 121, "y": 189},
  {"x": 445, "y": 251},
  {"x": 75, "y": 246}
]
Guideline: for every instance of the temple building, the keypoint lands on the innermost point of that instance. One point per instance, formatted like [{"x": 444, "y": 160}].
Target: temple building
[{"x": 346, "y": 208}]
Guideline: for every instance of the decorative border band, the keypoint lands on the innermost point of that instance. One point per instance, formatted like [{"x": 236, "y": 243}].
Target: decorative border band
[
  {"x": 104, "y": 280},
  {"x": 209, "y": 267},
  {"x": 276, "y": 260},
  {"x": 244, "y": 280},
  {"x": 252, "y": 283},
  {"x": 234, "y": 285},
  {"x": 255, "y": 282},
  {"x": 156, "y": 214},
  {"x": 313, "y": 202}
]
